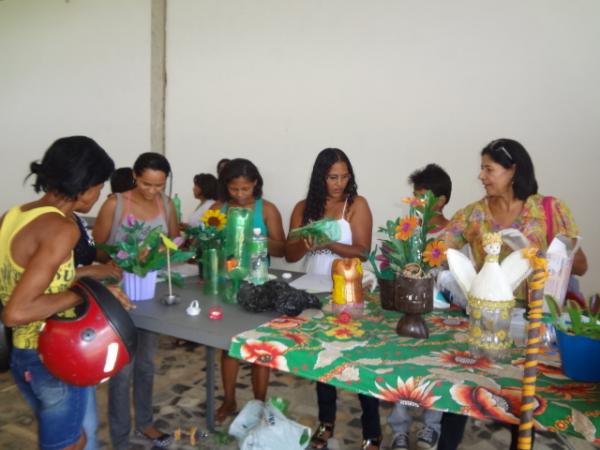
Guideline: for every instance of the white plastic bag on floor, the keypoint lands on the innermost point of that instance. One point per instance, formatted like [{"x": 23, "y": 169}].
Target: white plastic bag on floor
[
  {"x": 247, "y": 419},
  {"x": 272, "y": 431}
]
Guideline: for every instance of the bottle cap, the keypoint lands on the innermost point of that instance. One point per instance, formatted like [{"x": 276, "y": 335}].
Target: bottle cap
[{"x": 193, "y": 309}]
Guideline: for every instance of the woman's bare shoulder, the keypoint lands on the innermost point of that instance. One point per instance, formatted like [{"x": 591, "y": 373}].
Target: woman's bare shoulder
[
  {"x": 267, "y": 205},
  {"x": 359, "y": 204},
  {"x": 218, "y": 204},
  {"x": 300, "y": 206}
]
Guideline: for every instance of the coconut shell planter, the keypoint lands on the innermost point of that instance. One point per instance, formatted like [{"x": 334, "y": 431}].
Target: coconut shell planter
[{"x": 413, "y": 297}]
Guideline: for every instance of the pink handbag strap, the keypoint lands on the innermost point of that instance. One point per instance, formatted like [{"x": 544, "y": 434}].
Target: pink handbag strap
[{"x": 547, "y": 204}]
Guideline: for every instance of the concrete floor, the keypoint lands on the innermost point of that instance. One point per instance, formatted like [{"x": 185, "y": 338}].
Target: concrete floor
[{"x": 179, "y": 403}]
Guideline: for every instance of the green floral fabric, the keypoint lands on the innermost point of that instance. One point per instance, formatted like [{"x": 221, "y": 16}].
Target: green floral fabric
[{"x": 366, "y": 356}]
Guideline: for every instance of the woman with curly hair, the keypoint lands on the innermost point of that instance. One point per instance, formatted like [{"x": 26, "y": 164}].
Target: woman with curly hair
[{"x": 332, "y": 193}]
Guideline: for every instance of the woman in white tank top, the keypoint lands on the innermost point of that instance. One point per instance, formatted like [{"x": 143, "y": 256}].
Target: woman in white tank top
[{"x": 332, "y": 194}]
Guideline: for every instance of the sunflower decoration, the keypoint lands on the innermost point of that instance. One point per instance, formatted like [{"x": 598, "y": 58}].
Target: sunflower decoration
[
  {"x": 209, "y": 234},
  {"x": 214, "y": 218},
  {"x": 407, "y": 244}
]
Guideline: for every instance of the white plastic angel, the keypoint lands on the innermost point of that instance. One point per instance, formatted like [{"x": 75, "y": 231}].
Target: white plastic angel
[{"x": 490, "y": 293}]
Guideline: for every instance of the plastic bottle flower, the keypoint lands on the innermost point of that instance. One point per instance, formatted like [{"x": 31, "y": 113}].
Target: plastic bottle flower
[
  {"x": 406, "y": 227},
  {"x": 435, "y": 253},
  {"x": 214, "y": 218},
  {"x": 406, "y": 244},
  {"x": 209, "y": 234},
  {"x": 141, "y": 250}
]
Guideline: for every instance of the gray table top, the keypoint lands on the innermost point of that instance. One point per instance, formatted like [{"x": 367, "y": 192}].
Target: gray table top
[{"x": 173, "y": 321}]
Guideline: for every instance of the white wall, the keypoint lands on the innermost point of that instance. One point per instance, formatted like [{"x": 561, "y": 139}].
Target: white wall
[
  {"x": 71, "y": 67},
  {"x": 396, "y": 84}
]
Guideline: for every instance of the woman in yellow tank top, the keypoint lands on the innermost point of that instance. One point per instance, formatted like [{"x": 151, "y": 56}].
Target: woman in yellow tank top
[{"x": 36, "y": 271}]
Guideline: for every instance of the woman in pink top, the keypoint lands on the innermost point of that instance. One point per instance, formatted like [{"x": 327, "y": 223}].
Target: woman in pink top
[{"x": 147, "y": 203}]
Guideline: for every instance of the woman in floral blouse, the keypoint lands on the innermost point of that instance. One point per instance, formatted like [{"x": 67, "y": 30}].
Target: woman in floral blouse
[{"x": 511, "y": 201}]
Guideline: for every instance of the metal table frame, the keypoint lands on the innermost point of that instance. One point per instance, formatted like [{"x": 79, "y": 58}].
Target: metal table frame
[{"x": 173, "y": 321}]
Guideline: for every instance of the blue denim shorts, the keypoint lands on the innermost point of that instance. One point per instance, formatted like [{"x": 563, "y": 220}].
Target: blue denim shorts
[{"x": 59, "y": 406}]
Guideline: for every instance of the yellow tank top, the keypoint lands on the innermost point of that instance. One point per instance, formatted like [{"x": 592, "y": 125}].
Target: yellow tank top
[{"x": 26, "y": 336}]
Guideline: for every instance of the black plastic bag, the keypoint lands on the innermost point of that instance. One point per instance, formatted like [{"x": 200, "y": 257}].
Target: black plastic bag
[{"x": 276, "y": 296}]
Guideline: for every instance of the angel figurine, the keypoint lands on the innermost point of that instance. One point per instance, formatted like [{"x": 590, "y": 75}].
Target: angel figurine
[{"x": 489, "y": 293}]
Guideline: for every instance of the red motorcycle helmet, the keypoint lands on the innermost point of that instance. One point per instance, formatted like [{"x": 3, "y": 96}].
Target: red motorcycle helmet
[{"x": 92, "y": 346}]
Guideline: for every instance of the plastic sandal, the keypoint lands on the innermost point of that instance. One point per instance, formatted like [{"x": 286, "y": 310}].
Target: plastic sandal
[
  {"x": 371, "y": 443},
  {"x": 322, "y": 434}
]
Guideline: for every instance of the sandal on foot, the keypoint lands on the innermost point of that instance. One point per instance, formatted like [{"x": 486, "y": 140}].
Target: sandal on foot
[
  {"x": 161, "y": 441},
  {"x": 371, "y": 443},
  {"x": 321, "y": 436}
]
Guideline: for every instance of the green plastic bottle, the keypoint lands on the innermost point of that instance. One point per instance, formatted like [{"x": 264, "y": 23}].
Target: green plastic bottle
[{"x": 177, "y": 204}]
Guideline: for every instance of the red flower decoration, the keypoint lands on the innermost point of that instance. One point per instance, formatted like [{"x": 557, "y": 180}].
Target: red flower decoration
[
  {"x": 265, "y": 353},
  {"x": 546, "y": 369},
  {"x": 411, "y": 392},
  {"x": 298, "y": 338},
  {"x": 451, "y": 323},
  {"x": 285, "y": 322},
  {"x": 464, "y": 359},
  {"x": 568, "y": 391},
  {"x": 488, "y": 403}
]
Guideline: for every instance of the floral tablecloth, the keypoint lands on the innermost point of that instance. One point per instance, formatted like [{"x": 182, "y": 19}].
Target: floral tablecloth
[{"x": 366, "y": 356}]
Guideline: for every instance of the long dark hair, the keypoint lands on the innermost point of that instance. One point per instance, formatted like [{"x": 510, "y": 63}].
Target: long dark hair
[
  {"x": 316, "y": 198},
  {"x": 236, "y": 168},
  {"x": 509, "y": 153},
  {"x": 71, "y": 166}
]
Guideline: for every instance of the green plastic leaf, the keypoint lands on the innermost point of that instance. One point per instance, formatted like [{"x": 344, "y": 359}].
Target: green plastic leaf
[
  {"x": 321, "y": 231},
  {"x": 553, "y": 308}
]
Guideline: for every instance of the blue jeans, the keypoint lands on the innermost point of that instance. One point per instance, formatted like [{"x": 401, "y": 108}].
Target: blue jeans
[
  {"x": 90, "y": 420},
  {"x": 400, "y": 419},
  {"x": 58, "y": 406},
  {"x": 141, "y": 372}
]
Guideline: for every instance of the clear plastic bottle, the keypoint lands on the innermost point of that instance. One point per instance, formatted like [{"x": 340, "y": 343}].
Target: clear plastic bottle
[{"x": 259, "y": 259}]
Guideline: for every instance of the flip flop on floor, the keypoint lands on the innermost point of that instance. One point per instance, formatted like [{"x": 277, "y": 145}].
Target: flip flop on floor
[{"x": 161, "y": 441}]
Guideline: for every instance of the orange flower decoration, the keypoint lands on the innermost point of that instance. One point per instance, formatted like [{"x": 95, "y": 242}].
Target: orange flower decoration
[
  {"x": 568, "y": 391},
  {"x": 405, "y": 228},
  {"x": 231, "y": 264},
  {"x": 435, "y": 253},
  {"x": 415, "y": 202},
  {"x": 488, "y": 403},
  {"x": 413, "y": 392}
]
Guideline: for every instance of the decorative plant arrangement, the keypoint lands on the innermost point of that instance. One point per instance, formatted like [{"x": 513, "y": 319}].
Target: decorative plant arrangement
[
  {"x": 407, "y": 250},
  {"x": 583, "y": 318},
  {"x": 207, "y": 242},
  {"x": 141, "y": 251},
  {"x": 210, "y": 232},
  {"x": 406, "y": 259},
  {"x": 578, "y": 337}
]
